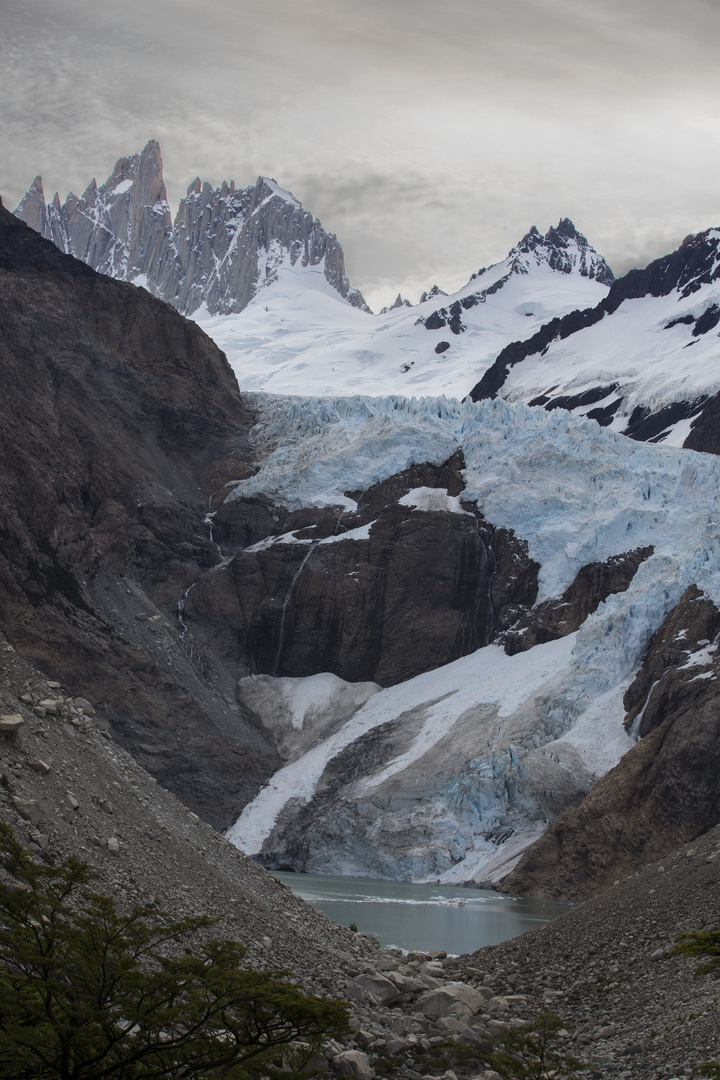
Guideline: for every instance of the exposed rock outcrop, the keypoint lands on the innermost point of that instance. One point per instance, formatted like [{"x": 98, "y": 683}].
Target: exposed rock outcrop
[
  {"x": 379, "y": 594},
  {"x": 224, "y": 245},
  {"x": 666, "y": 790},
  {"x": 566, "y": 613},
  {"x": 119, "y": 419}
]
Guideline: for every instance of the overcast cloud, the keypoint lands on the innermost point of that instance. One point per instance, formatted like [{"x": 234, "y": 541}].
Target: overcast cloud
[{"x": 428, "y": 135}]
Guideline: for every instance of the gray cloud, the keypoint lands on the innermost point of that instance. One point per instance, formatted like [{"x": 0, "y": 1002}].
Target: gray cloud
[{"x": 429, "y": 136}]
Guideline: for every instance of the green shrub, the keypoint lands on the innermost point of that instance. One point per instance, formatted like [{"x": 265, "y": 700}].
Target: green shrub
[{"x": 87, "y": 993}]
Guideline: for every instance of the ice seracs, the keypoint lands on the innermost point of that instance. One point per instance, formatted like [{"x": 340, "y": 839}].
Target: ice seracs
[{"x": 451, "y": 774}]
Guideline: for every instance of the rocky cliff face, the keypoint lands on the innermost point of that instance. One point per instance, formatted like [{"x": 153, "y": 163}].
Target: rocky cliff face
[
  {"x": 666, "y": 790},
  {"x": 381, "y": 593},
  {"x": 119, "y": 419},
  {"x": 223, "y": 247}
]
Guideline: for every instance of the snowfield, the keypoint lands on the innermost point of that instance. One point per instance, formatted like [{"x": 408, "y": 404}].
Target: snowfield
[
  {"x": 653, "y": 363},
  {"x": 298, "y": 336}
]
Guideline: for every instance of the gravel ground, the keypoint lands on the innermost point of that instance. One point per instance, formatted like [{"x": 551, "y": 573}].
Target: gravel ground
[
  {"x": 629, "y": 1009},
  {"x": 603, "y": 967}
]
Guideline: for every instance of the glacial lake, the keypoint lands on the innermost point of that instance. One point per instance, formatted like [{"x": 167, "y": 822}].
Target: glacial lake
[{"x": 423, "y": 917}]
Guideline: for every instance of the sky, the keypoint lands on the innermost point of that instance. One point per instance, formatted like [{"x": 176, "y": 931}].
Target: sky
[{"x": 429, "y": 135}]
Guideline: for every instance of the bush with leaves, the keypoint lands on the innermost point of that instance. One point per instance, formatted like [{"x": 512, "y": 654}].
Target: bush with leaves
[
  {"x": 702, "y": 943},
  {"x": 88, "y": 993},
  {"x": 529, "y": 1053}
]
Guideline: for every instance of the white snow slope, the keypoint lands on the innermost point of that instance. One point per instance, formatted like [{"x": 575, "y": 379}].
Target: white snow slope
[
  {"x": 299, "y": 337},
  {"x": 478, "y": 736},
  {"x": 651, "y": 347}
]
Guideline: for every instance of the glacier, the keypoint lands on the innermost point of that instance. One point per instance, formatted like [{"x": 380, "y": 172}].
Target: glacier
[{"x": 470, "y": 761}]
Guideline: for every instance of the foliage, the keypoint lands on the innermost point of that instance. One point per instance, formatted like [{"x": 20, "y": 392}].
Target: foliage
[
  {"x": 518, "y": 1054},
  {"x": 87, "y": 993},
  {"x": 528, "y": 1054},
  {"x": 436, "y": 1060},
  {"x": 700, "y": 943},
  {"x": 709, "y": 1068}
]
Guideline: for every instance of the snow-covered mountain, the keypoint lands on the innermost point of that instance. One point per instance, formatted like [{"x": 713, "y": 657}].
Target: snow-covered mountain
[
  {"x": 295, "y": 338},
  {"x": 224, "y": 246},
  {"x": 644, "y": 361},
  {"x": 268, "y": 284}
]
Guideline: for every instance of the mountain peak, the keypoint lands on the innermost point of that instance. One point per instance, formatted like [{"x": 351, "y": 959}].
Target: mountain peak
[
  {"x": 435, "y": 291},
  {"x": 223, "y": 247},
  {"x": 563, "y": 249},
  {"x": 565, "y": 228}
]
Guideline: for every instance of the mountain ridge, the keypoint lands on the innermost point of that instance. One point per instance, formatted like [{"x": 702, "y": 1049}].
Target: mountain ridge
[
  {"x": 224, "y": 245},
  {"x": 634, "y": 376}
]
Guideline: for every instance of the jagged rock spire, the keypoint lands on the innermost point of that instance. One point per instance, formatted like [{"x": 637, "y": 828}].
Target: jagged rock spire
[{"x": 223, "y": 246}]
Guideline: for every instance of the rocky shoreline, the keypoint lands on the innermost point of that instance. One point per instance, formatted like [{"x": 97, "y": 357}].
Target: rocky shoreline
[{"x": 630, "y": 1010}]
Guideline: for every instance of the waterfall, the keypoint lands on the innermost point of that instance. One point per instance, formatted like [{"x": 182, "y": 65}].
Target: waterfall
[{"x": 296, "y": 575}]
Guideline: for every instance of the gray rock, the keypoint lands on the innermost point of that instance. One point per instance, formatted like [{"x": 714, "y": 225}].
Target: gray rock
[
  {"x": 397, "y": 1045},
  {"x": 28, "y": 809},
  {"x": 353, "y": 1063},
  {"x": 437, "y": 1003},
  {"x": 113, "y": 845},
  {"x": 10, "y": 723},
  {"x": 382, "y": 990},
  {"x": 454, "y": 1025},
  {"x": 39, "y": 766},
  {"x": 224, "y": 245},
  {"x": 71, "y": 801},
  {"x": 84, "y": 704},
  {"x": 387, "y": 963},
  {"x": 50, "y": 705}
]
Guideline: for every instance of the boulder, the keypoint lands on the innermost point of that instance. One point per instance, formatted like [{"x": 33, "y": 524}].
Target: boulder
[
  {"x": 381, "y": 989},
  {"x": 28, "y": 809},
  {"x": 11, "y": 723},
  {"x": 353, "y": 1063},
  {"x": 39, "y": 766},
  {"x": 441, "y": 1002}
]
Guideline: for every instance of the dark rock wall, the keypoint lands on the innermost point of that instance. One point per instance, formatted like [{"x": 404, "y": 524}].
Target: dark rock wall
[
  {"x": 665, "y": 791},
  {"x": 565, "y": 614},
  {"x": 118, "y": 419},
  {"x": 423, "y": 589}
]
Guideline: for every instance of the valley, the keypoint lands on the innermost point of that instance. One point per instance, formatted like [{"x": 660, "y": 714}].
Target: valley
[{"x": 431, "y": 595}]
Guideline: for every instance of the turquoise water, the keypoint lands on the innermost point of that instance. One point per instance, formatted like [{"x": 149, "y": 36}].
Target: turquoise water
[{"x": 423, "y": 917}]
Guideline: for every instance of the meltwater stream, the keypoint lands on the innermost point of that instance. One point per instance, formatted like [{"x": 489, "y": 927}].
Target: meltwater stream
[{"x": 423, "y": 917}]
